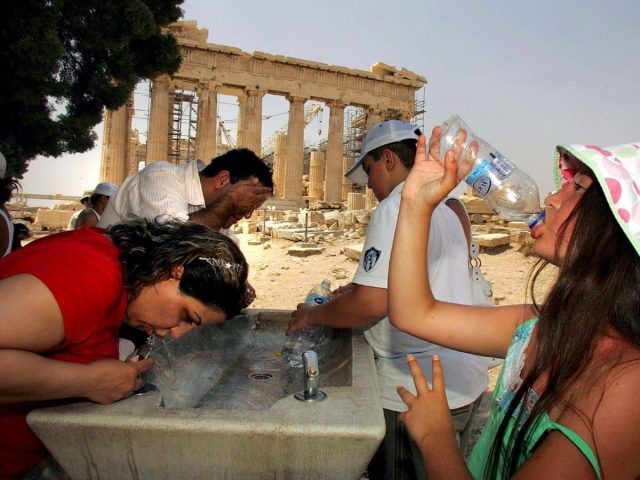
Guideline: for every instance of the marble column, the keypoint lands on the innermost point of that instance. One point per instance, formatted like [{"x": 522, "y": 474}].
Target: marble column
[
  {"x": 335, "y": 153},
  {"x": 115, "y": 150},
  {"x": 355, "y": 201},
  {"x": 347, "y": 163},
  {"x": 316, "y": 175},
  {"x": 295, "y": 149},
  {"x": 242, "y": 112},
  {"x": 370, "y": 199},
  {"x": 279, "y": 160},
  {"x": 374, "y": 116},
  {"x": 206, "y": 135},
  {"x": 159, "y": 119},
  {"x": 253, "y": 119}
]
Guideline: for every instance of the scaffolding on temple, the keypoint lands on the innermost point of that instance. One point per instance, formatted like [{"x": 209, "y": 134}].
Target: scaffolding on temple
[{"x": 182, "y": 132}]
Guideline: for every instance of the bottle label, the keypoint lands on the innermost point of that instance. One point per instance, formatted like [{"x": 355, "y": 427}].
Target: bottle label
[
  {"x": 503, "y": 166},
  {"x": 486, "y": 172},
  {"x": 315, "y": 299},
  {"x": 479, "y": 178}
]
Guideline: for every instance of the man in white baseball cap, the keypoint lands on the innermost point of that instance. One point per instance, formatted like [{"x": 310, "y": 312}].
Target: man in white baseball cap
[
  {"x": 387, "y": 156},
  {"x": 384, "y": 133},
  {"x": 99, "y": 200}
]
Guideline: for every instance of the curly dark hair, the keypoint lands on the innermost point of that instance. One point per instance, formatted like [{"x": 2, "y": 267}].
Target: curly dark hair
[{"x": 215, "y": 270}]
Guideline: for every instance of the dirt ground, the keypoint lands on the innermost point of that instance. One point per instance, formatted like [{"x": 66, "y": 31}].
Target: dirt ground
[{"x": 281, "y": 281}]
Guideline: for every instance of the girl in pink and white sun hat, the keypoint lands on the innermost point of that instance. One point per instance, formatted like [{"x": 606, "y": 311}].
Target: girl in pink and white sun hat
[
  {"x": 566, "y": 404},
  {"x": 617, "y": 170}
]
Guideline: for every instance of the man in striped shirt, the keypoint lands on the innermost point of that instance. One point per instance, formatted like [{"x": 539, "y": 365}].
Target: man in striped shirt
[{"x": 217, "y": 195}]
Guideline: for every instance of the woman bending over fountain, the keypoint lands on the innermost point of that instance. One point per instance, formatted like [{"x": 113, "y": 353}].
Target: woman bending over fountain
[
  {"x": 63, "y": 298},
  {"x": 566, "y": 402}
]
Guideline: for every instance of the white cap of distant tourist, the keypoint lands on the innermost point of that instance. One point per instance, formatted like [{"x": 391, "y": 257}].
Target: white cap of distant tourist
[
  {"x": 381, "y": 134},
  {"x": 3, "y": 166},
  {"x": 107, "y": 189}
]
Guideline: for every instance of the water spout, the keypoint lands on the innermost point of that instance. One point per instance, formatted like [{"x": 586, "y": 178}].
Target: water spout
[{"x": 311, "y": 378}]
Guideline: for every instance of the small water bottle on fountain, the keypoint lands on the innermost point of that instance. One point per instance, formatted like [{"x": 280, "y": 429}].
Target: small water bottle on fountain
[
  {"x": 508, "y": 191},
  {"x": 302, "y": 340}
]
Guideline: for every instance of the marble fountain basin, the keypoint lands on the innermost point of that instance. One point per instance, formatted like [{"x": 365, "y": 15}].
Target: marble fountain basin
[{"x": 225, "y": 409}]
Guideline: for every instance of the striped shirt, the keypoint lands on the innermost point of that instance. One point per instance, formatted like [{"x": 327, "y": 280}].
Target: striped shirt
[{"x": 161, "y": 189}]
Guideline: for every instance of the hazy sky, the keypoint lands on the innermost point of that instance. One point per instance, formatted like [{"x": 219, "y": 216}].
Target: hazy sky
[{"x": 525, "y": 76}]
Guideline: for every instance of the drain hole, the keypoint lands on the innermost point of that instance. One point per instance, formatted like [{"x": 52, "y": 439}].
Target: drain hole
[{"x": 260, "y": 376}]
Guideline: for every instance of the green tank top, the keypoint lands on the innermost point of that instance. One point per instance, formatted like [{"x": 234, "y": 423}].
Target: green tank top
[{"x": 506, "y": 386}]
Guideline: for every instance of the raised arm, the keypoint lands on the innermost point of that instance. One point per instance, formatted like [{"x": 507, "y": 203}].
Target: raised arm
[
  {"x": 28, "y": 330},
  {"x": 412, "y": 307}
]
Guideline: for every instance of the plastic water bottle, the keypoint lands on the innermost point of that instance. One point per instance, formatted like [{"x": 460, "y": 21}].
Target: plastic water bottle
[
  {"x": 302, "y": 340},
  {"x": 508, "y": 191}
]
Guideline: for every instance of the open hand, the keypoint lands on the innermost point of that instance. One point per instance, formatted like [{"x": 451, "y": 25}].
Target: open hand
[
  {"x": 428, "y": 418},
  {"x": 429, "y": 181},
  {"x": 248, "y": 195}
]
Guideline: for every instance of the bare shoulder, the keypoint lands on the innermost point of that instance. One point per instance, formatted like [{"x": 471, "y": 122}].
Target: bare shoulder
[{"x": 616, "y": 428}]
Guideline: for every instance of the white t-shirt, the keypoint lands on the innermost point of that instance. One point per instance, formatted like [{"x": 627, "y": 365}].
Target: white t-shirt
[
  {"x": 160, "y": 189},
  {"x": 465, "y": 374},
  {"x": 74, "y": 220}
]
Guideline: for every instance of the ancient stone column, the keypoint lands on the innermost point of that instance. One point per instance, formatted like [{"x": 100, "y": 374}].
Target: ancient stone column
[
  {"x": 370, "y": 199},
  {"x": 355, "y": 201},
  {"x": 158, "y": 134},
  {"x": 374, "y": 116},
  {"x": 206, "y": 136},
  {"x": 335, "y": 152},
  {"x": 242, "y": 112},
  {"x": 407, "y": 116},
  {"x": 115, "y": 150},
  {"x": 347, "y": 162},
  {"x": 295, "y": 150},
  {"x": 253, "y": 122},
  {"x": 279, "y": 160},
  {"x": 316, "y": 175}
]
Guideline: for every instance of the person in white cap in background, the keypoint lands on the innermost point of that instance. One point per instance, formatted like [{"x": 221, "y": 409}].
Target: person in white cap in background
[
  {"x": 99, "y": 200},
  {"x": 86, "y": 202},
  {"x": 7, "y": 187},
  {"x": 386, "y": 158}
]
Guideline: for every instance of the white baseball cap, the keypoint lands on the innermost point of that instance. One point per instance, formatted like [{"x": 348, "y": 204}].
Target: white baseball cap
[
  {"x": 107, "y": 189},
  {"x": 3, "y": 166},
  {"x": 384, "y": 133}
]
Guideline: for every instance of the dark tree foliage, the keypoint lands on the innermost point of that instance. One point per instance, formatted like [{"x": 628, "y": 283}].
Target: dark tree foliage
[{"x": 64, "y": 61}]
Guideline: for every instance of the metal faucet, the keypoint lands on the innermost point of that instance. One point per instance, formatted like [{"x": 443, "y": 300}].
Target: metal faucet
[{"x": 311, "y": 376}]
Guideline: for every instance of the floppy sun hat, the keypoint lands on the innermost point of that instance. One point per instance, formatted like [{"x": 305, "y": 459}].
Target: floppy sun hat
[
  {"x": 617, "y": 170},
  {"x": 381, "y": 134}
]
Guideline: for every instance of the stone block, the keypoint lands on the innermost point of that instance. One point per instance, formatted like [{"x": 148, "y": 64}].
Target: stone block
[
  {"x": 249, "y": 227},
  {"x": 492, "y": 240},
  {"x": 477, "y": 219},
  {"x": 519, "y": 225},
  {"x": 353, "y": 251},
  {"x": 53, "y": 219},
  {"x": 475, "y": 205},
  {"x": 298, "y": 251}
]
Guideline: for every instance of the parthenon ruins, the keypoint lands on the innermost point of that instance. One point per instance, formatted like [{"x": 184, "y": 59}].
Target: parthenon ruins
[{"x": 208, "y": 69}]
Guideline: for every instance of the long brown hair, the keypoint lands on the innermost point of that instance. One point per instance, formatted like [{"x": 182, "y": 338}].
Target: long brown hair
[{"x": 595, "y": 295}]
